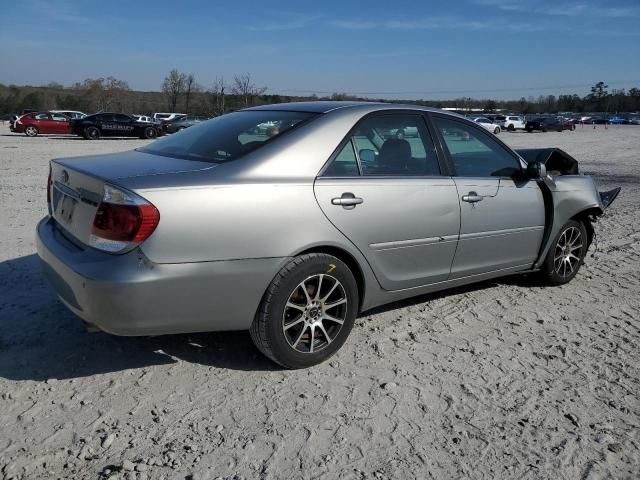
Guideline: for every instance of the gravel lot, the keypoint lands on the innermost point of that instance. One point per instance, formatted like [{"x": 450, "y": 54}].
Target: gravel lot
[{"x": 499, "y": 380}]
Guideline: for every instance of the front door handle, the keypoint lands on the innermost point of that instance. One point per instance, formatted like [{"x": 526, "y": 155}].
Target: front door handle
[
  {"x": 348, "y": 201},
  {"x": 472, "y": 197}
]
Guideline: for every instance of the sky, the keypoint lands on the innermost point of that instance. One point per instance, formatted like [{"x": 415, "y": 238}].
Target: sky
[{"x": 390, "y": 49}]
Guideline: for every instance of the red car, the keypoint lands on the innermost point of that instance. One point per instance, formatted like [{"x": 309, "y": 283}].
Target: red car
[{"x": 32, "y": 124}]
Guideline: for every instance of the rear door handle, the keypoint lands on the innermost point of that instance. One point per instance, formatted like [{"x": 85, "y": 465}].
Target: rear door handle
[
  {"x": 348, "y": 201},
  {"x": 472, "y": 197}
]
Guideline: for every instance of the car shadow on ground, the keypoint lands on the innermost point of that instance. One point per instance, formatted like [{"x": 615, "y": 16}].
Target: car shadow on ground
[{"x": 40, "y": 339}]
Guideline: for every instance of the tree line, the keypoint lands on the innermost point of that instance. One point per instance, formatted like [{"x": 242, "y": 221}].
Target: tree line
[{"x": 181, "y": 92}]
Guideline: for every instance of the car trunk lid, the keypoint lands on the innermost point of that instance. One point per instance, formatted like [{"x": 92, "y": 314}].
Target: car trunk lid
[{"x": 77, "y": 184}]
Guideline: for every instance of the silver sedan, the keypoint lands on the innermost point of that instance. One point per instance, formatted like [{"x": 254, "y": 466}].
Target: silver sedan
[{"x": 288, "y": 220}]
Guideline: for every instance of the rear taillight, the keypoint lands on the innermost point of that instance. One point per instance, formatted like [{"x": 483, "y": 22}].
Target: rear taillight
[{"x": 122, "y": 221}]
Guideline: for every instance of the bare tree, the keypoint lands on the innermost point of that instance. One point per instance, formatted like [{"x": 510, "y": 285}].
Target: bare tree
[
  {"x": 243, "y": 87},
  {"x": 173, "y": 86},
  {"x": 104, "y": 94},
  {"x": 190, "y": 86},
  {"x": 217, "y": 92}
]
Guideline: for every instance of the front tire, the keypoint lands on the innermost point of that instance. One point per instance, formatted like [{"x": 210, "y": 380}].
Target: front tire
[
  {"x": 566, "y": 254},
  {"x": 31, "y": 131},
  {"x": 496, "y": 131},
  {"x": 92, "y": 133},
  {"x": 511, "y": 128},
  {"x": 307, "y": 312}
]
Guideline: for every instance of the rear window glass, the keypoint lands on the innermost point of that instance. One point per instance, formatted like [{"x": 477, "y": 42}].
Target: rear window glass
[{"x": 227, "y": 137}]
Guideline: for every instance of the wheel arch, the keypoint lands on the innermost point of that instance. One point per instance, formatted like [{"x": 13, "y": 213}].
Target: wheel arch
[
  {"x": 24, "y": 130},
  {"x": 587, "y": 217},
  {"x": 348, "y": 259}
]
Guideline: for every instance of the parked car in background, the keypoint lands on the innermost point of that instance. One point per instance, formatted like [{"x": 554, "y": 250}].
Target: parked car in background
[
  {"x": 74, "y": 114},
  {"x": 167, "y": 116},
  {"x": 567, "y": 123},
  {"x": 106, "y": 124},
  {"x": 196, "y": 232},
  {"x": 634, "y": 120},
  {"x": 143, "y": 118},
  {"x": 544, "y": 124},
  {"x": 180, "y": 123},
  {"x": 12, "y": 122},
  {"x": 488, "y": 124},
  {"x": 513, "y": 122},
  {"x": 33, "y": 124},
  {"x": 618, "y": 121}
]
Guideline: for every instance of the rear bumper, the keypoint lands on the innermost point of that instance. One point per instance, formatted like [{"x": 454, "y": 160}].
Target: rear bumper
[{"x": 129, "y": 295}]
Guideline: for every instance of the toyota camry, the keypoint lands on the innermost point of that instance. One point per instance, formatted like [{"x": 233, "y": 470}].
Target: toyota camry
[{"x": 288, "y": 220}]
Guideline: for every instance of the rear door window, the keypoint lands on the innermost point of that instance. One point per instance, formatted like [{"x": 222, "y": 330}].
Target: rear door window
[{"x": 345, "y": 163}]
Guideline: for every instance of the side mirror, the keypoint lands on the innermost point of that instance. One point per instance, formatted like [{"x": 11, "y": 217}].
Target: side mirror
[
  {"x": 367, "y": 155},
  {"x": 536, "y": 171}
]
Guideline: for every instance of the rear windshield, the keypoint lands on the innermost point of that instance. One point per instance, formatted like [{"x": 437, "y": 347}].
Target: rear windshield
[{"x": 227, "y": 137}]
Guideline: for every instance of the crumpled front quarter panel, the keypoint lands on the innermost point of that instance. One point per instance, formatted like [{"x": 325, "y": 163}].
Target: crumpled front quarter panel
[{"x": 571, "y": 194}]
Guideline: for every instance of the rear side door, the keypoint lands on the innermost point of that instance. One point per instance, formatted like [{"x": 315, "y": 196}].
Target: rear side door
[
  {"x": 385, "y": 192},
  {"x": 106, "y": 123},
  {"x": 60, "y": 123},
  {"x": 502, "y": 214}
]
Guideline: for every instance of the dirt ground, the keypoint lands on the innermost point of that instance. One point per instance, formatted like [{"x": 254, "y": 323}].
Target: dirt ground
[{"x": 499, "y": 380}]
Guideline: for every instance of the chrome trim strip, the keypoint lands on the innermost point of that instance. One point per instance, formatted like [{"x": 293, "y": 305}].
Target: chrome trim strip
[
  {"x": 67, "y": 190},
  {"x": 497, "y": 233},
  {"x": 416, "y": 242}
]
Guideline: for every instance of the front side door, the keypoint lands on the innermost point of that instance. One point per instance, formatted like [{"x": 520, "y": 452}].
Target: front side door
[
  {"x": 502, "y": 214},
  {"x": 124, "y": 125},
  {"x": 44, "y": 123},
  {"x": 384, "y": 192}
]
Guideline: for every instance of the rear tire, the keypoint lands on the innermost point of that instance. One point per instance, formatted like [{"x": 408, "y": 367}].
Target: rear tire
[
  {"x": 566, "y": 254},
  {"x": 307, "y": 311},
  {"x": 150, "y": 133},
  {"x": 496, "y": 131},
  {"x": 31, "y": 131},
  {"x": 92, "y": 133}
]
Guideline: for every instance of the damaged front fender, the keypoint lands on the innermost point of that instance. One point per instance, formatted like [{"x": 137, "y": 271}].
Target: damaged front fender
[{"x": 567, "y": 193}]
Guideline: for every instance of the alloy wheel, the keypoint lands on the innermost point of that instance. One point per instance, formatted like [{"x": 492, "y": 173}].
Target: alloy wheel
[
  {"x": 314, "y": 313},
  {"x": 565, "y": 260}
]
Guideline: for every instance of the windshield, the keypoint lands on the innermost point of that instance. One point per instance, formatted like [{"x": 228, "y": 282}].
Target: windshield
[{"x": 227, "y": 137}]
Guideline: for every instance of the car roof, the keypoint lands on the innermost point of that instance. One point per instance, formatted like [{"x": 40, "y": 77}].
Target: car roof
[{"x": 328, "y": 106}]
